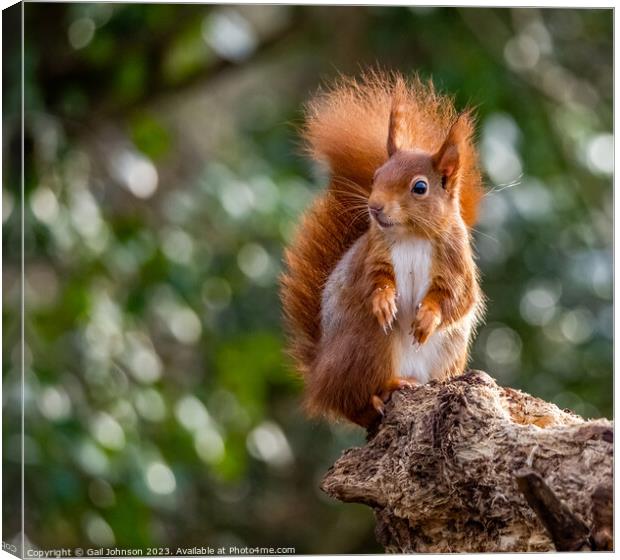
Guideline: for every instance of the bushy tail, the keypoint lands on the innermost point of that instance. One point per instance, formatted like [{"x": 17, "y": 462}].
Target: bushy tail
[{"x": 347, "y": 128}]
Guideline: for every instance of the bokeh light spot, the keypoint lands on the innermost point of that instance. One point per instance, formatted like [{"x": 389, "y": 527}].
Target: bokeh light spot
[
  {"x": 150, "y": 405},
  {"x": 98, "y": 530},
  {"x": 136, "y": 172},
  {"x": 600, "y": 154},
  {"x": 522, "y": 53},
  {"x": 144, "y": 363},
  {"x": 178, "y": 246},
  {"x": 108, "y": 432},
  {"x": 236, "y": 198},
  {"x": 577, "y": 325},
  {"x": 185, "y": 325},
  {"x": 503, "y": 346},
  {"x": 92, "y": 459},
  {"x": 191, "y": 413},
  {"x": 54, "y": 403},
  {"x": 538, "y": 303},
  {"x": 209, "y": 445},
  {"x": 268, "y": 443},
  {"x": 160, "y": 478},
  {"x": 253, "y": 260},
  {"x": 500, "y": 158},
  {"x": 44, "y": 205},
  {"x": 81, "y": 32},
  {"x": 230, "y": 35}
]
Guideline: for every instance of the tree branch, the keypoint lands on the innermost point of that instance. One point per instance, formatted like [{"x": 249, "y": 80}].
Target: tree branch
[
  {"x": 449, "y": 466},
  {"x": 567, "y": 531}
]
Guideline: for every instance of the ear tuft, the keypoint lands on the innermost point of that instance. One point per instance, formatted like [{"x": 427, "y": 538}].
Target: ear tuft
[
  {"x": 447, "y": 158},
  {"x": 396, "y": 130},
  {"x": 448, "y": 162}
]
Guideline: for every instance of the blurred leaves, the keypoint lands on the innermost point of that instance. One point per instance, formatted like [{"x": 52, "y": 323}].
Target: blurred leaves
[
  {"x": 164, "y": 176},
  {"x": 150, "y": 136}
]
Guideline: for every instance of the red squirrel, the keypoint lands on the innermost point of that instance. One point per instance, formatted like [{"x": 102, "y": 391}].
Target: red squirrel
[{"x": 380, "y": 288}]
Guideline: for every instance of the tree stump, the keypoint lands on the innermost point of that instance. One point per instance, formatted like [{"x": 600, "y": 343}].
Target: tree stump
[{"x": 464, "y": 465}]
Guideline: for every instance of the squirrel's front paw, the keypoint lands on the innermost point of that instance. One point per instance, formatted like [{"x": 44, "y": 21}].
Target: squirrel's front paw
[
  {"x": 384, "y": 306},
  {"x": 427, "y": 319}
]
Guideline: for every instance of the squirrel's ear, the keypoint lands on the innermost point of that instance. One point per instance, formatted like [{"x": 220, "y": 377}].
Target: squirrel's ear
[
  {"x": 397, "y": 129},
  {"x": 447, "y": 158}
]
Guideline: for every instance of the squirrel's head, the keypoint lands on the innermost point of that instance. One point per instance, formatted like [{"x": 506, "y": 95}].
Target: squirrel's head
[{"x": 414, "y": 190}]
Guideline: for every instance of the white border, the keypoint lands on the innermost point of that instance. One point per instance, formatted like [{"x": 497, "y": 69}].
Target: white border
[{"x": 455, "y": 3}]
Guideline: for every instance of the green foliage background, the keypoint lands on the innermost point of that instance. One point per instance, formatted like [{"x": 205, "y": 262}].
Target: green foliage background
[{"x": 163, "y": 177}]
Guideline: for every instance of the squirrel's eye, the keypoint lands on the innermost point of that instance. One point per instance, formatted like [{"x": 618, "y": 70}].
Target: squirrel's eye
[{"x": 419, "y": 187}]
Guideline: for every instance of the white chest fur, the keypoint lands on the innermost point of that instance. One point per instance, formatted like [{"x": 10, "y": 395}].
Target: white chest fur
[{"x": 411, "y": 259}]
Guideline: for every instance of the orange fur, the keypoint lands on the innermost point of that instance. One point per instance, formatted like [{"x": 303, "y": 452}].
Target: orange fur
[{"x": 352, "y": 127}]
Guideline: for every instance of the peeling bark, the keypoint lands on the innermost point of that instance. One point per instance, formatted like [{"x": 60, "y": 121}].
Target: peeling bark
[{"x": 464, "y": 465}]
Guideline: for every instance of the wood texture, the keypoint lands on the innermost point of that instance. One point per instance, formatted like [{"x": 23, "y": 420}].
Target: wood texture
[{"x": 464, "y": 465}]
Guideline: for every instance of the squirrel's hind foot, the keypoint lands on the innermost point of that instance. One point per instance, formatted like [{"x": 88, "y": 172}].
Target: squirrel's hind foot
[
  {"x": 377, "y": 402},
  {"x": 396, "y": 384}
]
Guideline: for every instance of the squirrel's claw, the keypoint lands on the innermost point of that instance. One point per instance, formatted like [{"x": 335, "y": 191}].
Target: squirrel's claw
[
  {"x": 384, "y": 307},
  {"x": 377, "y": 404},
  {"x": 426, "y": 321},
  {"x": 392, "y": 317}
]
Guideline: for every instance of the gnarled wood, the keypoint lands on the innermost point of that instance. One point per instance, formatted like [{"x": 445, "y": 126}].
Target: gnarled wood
[{"x": 464, "y": 465}]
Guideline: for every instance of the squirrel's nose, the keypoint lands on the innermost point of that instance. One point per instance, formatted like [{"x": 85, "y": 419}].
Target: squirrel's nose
[{"x": 375, "y": 209}]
